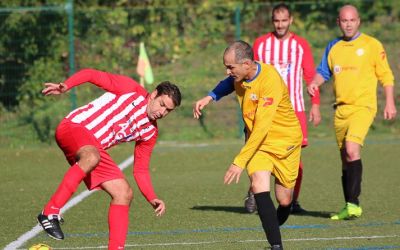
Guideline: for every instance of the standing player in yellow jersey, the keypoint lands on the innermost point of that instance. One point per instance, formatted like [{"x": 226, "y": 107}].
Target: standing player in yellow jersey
[
  {"x": 356, "y": 62},
  {"x": 274, "y": 135}
]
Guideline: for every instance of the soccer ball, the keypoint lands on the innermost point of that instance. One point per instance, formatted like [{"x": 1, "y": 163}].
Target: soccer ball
[{"x": 40, "y": 246}]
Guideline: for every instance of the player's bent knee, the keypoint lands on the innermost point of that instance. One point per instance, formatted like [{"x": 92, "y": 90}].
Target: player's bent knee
[
  {"x": 119, "y": 190},
  {"x": 88, "y": 157},
  {"x": 285, "y": 202}
]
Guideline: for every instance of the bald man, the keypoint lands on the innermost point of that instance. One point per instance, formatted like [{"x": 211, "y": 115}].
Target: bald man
[{"x": 356, "y": 62}]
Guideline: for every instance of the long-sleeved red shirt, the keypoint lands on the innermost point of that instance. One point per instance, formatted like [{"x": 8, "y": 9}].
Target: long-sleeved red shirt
[{"x": 119, "y": 115}]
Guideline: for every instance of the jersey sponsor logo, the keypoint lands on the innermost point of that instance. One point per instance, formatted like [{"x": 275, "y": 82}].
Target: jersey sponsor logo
[
  {"x": 283, "y": 69},
  {"x": 360, "y": 52},
  {"x": 268, "y": 101},
  {"x": 337, "y": 69},
  {"x": 122, "y": 134}
]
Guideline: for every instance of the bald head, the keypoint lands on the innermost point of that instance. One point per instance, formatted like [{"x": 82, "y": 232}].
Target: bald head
[
  {"x": 348, "y": 21},
  {"x": 348, "y": 10}
]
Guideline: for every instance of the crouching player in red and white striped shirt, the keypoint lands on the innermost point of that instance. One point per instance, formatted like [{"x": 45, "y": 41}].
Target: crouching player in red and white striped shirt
[{"x": 125, "y": 112}]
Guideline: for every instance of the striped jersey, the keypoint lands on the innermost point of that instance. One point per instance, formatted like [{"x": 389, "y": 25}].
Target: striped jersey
[
  {"x": 292, "y": 58},
  {"x": 356, "y": 66},
  {"x": 119, "y": 115}
]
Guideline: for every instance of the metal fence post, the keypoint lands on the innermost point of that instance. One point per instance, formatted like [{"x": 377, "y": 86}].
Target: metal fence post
[
  {"x": 237, "y": 36},
  {"x": 69, "y": 6}
]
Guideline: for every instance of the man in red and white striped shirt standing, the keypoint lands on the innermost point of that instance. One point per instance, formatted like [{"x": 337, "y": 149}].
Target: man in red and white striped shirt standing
[
  {"x": 291, "y": 56},
  {"x": 125, "y": 112}
]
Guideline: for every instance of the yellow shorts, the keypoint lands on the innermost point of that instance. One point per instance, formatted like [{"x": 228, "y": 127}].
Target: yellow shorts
[
  {"x": 352, "y": 123},
  {"x": 284, "y": 169}
]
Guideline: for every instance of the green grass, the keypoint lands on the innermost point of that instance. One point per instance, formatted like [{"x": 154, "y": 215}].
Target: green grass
[{"x": 201, "y": 211}]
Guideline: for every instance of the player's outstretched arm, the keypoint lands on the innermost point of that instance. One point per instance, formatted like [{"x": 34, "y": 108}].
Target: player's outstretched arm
[
  {"x": 390, "y": 108},
  {"x": 159, "y": 206},
  {"x": 199, "y": 105},
  {"x": 54, "y": 88}
]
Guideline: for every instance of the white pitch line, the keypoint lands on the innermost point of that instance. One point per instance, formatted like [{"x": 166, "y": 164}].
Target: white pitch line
[
  {"x": 231, "y": 242},
  {"x": 74, "y": 201}
]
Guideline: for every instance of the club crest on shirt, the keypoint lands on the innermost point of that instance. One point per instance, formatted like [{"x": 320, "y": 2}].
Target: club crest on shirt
[
  {"x": 360, "y": 52},
  {"x": 253, "y": 97}
]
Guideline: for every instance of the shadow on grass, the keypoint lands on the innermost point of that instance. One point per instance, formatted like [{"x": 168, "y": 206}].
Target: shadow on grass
[
  {"x": 239, "y": 210},
  {"x": 322, "y": 214},
  {"x": 242, "y": 210}
]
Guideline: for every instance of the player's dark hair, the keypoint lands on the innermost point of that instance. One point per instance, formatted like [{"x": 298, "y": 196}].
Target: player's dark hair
[
  {"x": 171, "y": 90},
  {"x": 242, "y": 50},
  {"x": 281, "y": 7}
]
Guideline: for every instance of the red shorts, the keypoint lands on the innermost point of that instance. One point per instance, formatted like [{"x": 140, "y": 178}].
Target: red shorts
[
  {"x": 71, "y": 137},
  {"x": 303, "y": 124}
]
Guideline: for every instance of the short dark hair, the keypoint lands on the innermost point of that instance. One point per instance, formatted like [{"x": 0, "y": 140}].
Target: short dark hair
[
  {"x": 280, "y": 7},
  {"x": 171, "y": 90},
  {"x": 242, "y": 50}
]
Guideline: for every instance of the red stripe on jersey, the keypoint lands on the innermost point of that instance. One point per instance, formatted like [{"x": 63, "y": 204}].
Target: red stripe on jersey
[
  {"x": 272, "y": 51},
  {"x": 263, "y": 49},
  {"x": 296, "y": 80}
]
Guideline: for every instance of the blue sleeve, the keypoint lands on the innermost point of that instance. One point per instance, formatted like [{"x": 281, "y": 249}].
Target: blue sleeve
[
  {"x": 323, "y": 68},
  {"x": 224, "y": 88}
]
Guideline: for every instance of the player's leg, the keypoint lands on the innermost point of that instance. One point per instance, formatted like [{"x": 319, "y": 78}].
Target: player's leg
[
  {"x": 259, "y": 169},
  {"x": 260, "y": 184},
  {"x": 351, "y": 181},
  {"x": 284, "y": 197},
  {"x": 83, "y": 159},
  {"x": 118, "y": 214},
  {"x": 285, "y": 172},
  {"x": 357, "y": 126}
]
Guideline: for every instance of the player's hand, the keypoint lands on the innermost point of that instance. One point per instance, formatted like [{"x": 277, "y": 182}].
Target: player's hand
[
  {"x": 54, "y": 88},
  {"x": 315, "y": 115},
  {"x": 390, "y": 111},
  {"x": 233, "y": 173},
  {"x": 199, "y": 105},
  {"x": 159, "y": 206},
  {"x": 312, "y": 88}
]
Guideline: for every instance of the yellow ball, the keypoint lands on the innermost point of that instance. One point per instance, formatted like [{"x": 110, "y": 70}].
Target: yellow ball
[{"x": 40, "y": 246}]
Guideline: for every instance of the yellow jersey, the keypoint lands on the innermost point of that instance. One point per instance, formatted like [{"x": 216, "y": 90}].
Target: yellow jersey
[
  {"x": 356, "y": 67},
  {"x": 268, "y": 115}
]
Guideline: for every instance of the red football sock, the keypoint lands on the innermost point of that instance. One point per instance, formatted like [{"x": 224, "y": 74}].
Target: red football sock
[
  {"x": 297, "y": 186},
  {"x": 65, "y": 190},
  {"x": 118, "y": 220}
]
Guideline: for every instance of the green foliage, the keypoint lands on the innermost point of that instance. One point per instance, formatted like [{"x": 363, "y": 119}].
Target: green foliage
[{"x": 184, "y": 40}]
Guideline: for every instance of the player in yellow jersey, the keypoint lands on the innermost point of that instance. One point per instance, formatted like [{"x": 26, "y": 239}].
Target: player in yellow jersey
[
  {"x": 274, "y": 135},
  {"x": 356, "y": 62}
]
